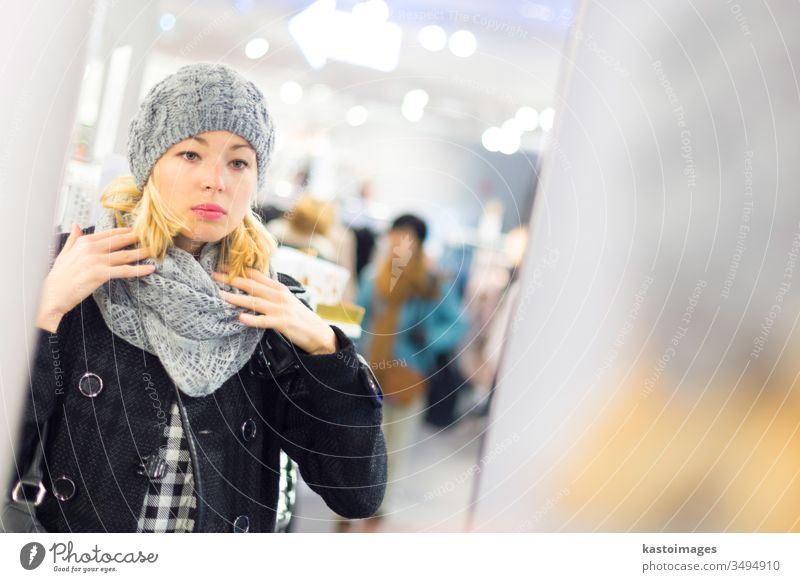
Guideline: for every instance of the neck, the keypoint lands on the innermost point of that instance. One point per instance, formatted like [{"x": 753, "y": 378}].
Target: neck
[{"x": 190, "y": 246}]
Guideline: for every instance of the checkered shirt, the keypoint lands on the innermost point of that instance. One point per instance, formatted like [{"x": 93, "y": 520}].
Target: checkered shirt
[{"x": 170, "y": 503}]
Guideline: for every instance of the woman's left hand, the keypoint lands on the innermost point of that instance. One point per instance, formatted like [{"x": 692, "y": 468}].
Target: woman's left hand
[{"x": 279, "y": 309}]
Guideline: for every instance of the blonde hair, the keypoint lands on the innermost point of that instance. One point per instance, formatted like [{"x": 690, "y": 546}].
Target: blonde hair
[
  {"x": 249, "y": 245},
  {"x": 311, "y": 215}
]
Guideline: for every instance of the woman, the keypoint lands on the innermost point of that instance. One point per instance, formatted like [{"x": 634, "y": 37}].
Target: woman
[{"x": 184, "y": 364}]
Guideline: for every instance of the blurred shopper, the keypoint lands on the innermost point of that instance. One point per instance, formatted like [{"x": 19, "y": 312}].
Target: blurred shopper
[
  {"x": 311, "y": 227},
  {"x": 411, "y": 319},
  {"x": 490, "y": 297}
]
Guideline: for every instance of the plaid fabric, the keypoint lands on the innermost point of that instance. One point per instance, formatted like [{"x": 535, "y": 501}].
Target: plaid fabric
[{"x": 170, "y": 503}]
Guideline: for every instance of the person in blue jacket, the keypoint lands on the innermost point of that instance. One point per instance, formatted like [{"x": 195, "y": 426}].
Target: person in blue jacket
[{"x": 412, "y": 317}]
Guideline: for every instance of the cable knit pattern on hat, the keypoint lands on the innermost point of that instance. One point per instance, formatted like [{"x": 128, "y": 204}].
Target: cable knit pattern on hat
[{"x": 199, "y": 98}]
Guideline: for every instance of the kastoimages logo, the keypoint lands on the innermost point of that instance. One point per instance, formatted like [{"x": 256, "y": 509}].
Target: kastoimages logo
[{"x": 31, "y": 555}]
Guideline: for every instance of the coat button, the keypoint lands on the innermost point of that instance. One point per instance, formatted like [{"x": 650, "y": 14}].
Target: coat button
[
  {"x": 248, "y": 430},
  {"x": 241, "y": 524},
  {"x": 64, "y": 488},
  {"x": 90, "y": 385},
  {"x": 153, "y": 466}
]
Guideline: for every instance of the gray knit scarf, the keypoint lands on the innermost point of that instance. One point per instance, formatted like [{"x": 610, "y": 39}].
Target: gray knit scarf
[{"x": 177, "y": 314}]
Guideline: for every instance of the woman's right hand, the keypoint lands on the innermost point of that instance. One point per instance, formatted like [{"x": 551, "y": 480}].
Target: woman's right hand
[{"x": 84, "y": 264}]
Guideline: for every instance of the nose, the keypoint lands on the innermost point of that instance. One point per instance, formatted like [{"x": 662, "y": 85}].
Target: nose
[{"x": 213, "y": 180}]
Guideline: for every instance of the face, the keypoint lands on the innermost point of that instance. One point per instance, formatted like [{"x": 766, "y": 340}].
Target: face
[
  {"x": 208, "y": 182},
  {"x": 402, "y": 241}
]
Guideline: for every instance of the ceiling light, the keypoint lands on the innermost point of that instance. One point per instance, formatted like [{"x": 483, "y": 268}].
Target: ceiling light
[
  {"x": 546, "y": 118},
  {"x": 412, "y": 113},
  {"x": 492, "y": 139},
  {"x": 509, "y": 142},
  {"x": 363, "y": 37},
  {"x": 432, "y": 37},
  {"x": 357, "y": 115},
  {"x": 291, "y": 92},
  {"x": 527, "y": 118},
  {"x": 511, "y": 126},
  {"x": 256, "y": 48},
  {"x": 167, "y": 21},
  {"x": 462, "y": 43},
  {"x": 373, "y": 10},
  {"x": 416, "y": 98}
]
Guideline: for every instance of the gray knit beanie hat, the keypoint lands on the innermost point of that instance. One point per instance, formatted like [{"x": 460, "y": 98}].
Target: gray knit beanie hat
[{"x": 197, "y": 98}]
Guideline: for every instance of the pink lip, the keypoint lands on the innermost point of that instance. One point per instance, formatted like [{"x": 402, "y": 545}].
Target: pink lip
[{"x": 209, "y": 211}]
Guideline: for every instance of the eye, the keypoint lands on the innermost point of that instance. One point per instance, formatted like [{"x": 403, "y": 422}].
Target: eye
[
  {"x": 189, "y": 156},
  {"x": 240, "y": 164}
]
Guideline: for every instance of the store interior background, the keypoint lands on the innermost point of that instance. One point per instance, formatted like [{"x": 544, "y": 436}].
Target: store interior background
[{"x": 443, "y": 110}]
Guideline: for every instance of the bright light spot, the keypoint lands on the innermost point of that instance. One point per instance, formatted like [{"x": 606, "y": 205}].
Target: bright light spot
[
  {"x": 412, "y": 113},
  {"x": 362, "y": 37},
  {"x": 546, "y": 118},
  {"x": 167, "y": 21},
  {"x": 432, "y": 37},
  {"x": 511, "y": 127},
  {"x": 283, "y": 189},
  {"x": 462, "y": 43},
  {"x": 416, "y": 99},
  {"x": 256, "y": 48},
  {"x": 373, "y": 10},
  {"x": 357, "y": 115},
  {"x": 291, "y": 92},
  {"x": 509, "y": 142},
  {"x": 492, "y": 139},
  {"x": 527, "y": 118},
  {"x": 380, "y": 211}
]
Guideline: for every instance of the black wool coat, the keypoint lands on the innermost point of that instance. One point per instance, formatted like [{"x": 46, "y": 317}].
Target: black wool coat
[{"x": 107, "y": 402}]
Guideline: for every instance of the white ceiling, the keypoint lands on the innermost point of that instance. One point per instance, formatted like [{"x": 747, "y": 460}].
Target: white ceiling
[{"x": 520, "y": 45}]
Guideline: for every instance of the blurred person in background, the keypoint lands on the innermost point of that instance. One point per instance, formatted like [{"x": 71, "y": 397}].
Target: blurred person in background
[
  {"x": 412, "y": 317},
  {"x": 311, "y": 226}
]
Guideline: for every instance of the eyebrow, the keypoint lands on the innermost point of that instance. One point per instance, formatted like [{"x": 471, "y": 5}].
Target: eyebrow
[{"x": 233, "y": 147}]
